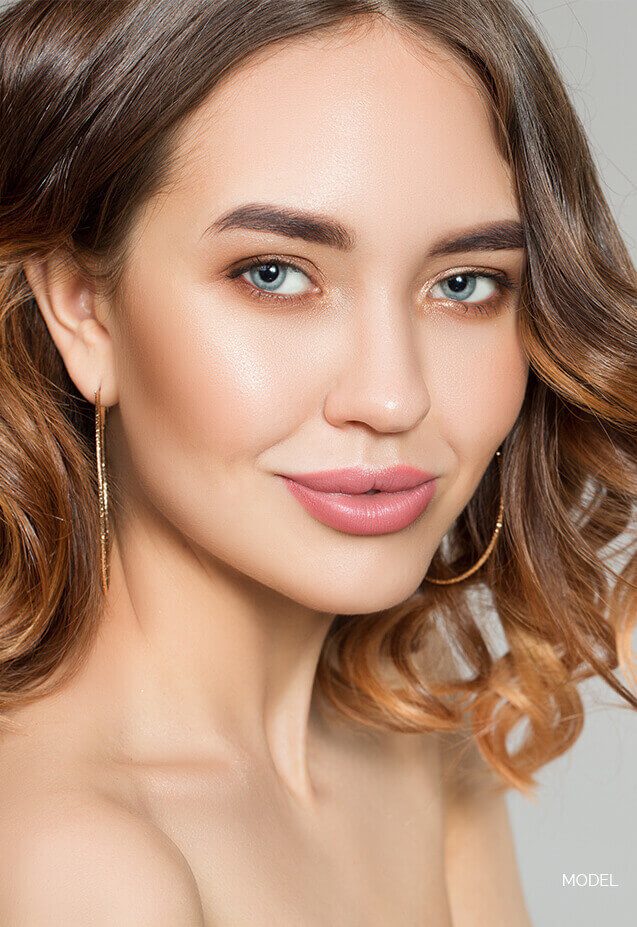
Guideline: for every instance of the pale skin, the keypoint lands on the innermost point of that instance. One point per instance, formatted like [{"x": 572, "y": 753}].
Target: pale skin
[{"x": 188, "y": 776}]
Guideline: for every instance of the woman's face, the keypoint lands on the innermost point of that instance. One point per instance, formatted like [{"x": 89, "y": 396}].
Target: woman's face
[{"x": 370, "y": 355}]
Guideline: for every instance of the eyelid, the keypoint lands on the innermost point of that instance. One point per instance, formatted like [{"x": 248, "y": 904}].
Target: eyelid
[
  {"x": 242, "y": 266},
  {"x": 500, "y": 276}
]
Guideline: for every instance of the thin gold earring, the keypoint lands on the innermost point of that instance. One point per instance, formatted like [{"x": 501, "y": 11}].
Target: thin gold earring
[
  {"x": 100, "y": 414},
  {"x": 487, "y": 552}
]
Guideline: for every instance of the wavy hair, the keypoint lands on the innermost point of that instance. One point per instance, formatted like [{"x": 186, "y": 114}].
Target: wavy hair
[{"x": 92, "y": 95}]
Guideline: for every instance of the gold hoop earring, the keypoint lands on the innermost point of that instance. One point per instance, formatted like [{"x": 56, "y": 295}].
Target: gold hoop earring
[
  {"x": 485, "y": 555},
  {"x": 100, "y": 414}
]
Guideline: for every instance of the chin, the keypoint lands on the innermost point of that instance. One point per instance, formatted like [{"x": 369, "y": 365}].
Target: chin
[{"x": 361, "y": 596}]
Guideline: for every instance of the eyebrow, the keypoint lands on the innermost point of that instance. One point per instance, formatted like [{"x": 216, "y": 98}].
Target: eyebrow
[{"x": 500, "y": 235}]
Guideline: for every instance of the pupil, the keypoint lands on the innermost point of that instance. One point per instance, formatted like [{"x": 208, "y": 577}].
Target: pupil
[
  {"x": 269, "y": 272},
  {"x": 457, "y": 283}
]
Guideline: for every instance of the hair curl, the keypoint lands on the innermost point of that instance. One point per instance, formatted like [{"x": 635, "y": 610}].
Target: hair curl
[{"x": 92, "y": 95}]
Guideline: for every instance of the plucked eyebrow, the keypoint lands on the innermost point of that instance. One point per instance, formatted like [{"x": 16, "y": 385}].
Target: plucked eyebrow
[{"x": 503, "y": 234}]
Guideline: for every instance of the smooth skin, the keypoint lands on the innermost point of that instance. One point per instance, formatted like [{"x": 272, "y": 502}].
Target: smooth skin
[{"x": 188, "y": 776}]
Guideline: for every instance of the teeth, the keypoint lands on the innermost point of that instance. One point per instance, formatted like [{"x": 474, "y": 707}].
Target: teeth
[{"x": 370, "y": 492}]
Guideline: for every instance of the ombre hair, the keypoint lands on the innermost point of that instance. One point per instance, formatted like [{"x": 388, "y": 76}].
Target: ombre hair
[{"x": 92, "y": 96}]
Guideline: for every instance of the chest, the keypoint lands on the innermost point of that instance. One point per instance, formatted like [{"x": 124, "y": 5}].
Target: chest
[{"x": 370, "y": 852}]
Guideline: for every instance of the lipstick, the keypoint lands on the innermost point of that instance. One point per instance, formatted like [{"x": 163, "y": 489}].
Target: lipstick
[{"x": 362, "y": 501}]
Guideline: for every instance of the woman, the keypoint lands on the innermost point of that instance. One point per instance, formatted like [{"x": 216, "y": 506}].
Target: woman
[{"x": 244, "y": 246}]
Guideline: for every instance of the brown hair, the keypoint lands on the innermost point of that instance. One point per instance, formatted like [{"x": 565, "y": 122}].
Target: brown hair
[{"x": 92, "y": 95}]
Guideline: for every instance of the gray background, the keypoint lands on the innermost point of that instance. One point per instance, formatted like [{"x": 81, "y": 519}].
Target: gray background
[{"x": 585, "y": 817}]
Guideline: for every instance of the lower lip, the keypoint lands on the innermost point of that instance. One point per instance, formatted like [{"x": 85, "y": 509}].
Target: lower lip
[{"x": 378, "y": 513}]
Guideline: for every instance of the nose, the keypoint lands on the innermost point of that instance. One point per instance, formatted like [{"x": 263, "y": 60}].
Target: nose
[{"x": 381, "y": 382}]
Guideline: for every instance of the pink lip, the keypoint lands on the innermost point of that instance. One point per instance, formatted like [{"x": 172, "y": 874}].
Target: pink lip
[
  {"x": 405, "y": 494},
  {"x": 360, "y": 479}
]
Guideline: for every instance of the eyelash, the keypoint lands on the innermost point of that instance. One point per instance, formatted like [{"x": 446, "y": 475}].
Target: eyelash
[{"x": 487, "y": 307}]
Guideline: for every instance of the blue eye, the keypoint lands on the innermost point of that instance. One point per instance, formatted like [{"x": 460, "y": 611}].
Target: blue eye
[
  {"x": 476, "y": 292},
  {"x": 467, "y": 287},
  {"x": 270, "y": 277}
]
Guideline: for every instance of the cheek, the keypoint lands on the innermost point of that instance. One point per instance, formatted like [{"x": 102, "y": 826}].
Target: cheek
[
  {"x": 210, "y": 381},
  {"x": 478, "y": 381}
]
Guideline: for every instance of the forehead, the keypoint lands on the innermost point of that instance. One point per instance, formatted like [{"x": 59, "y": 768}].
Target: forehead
[{"x": 371, "y": 124}]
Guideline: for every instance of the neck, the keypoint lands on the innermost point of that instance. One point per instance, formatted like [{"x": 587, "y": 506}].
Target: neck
[{"x": 196, "y": 657}]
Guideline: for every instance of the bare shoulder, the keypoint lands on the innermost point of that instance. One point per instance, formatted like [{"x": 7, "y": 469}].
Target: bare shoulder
[
  {"x": 481, "y": 871},
  {"x": 68, "y": 857}
]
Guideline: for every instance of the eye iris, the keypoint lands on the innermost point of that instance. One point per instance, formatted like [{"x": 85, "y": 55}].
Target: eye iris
[
  {"x": 268, "y": 273},
  {"x": 459, "y": 282}
]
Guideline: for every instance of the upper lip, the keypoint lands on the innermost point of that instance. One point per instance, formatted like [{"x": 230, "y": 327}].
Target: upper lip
[{"x": 362, "y": 479}]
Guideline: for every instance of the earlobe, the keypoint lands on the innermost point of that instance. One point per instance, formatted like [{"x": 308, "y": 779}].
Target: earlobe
[{"x": 67, "y": 305}]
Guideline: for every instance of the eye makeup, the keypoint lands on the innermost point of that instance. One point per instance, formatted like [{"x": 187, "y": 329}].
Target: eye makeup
[{"x": 502, "y": 281}]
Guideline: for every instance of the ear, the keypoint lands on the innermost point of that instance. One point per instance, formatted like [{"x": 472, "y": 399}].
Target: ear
[{"x": 68, "y": 305}]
